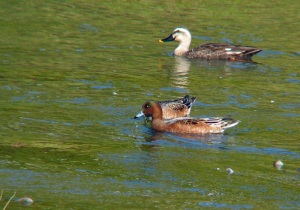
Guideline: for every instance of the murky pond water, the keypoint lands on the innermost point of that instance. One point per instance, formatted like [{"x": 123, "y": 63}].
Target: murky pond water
[{"x": 74, "y": 74}]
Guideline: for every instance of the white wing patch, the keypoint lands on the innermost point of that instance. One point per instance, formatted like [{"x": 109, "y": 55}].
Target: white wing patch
[
  {"x": 234, "y": 53},
  {"x": 230, "y": 52}
]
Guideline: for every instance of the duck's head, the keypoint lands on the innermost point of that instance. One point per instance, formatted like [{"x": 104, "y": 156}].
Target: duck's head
[
  {"x": 151, "y": 110},
  {"x": 179, "y": 35}
]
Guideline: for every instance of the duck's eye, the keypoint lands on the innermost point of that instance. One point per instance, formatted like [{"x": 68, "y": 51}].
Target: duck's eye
[{"x": 147, "y": 105}]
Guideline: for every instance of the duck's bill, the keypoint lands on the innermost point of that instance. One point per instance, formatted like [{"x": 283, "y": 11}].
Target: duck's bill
[
  {"x": 140, "y": 114},
  {"x": 168, "y": 39}
]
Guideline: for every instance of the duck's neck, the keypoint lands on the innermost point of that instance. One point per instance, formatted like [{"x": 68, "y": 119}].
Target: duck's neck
[
  {"x": 158, "y": 123},
  {"x": 157, "y": 112},
  {"x": 183, "y": 47}
]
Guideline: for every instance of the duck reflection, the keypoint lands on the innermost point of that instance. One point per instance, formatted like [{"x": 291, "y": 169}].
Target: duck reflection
[
  {"x": 180, "y": 73},
  {"x": 158, "y": 140},
  {"x": 154, "y": 139}
]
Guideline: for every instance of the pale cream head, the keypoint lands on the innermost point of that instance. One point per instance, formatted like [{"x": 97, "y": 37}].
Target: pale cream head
[{"x": 183, "y": 36}]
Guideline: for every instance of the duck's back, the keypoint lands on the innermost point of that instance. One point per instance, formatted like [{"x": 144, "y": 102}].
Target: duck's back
[
  {"x": 177, "y": 108},
  {"x": 219, "y": 51}
]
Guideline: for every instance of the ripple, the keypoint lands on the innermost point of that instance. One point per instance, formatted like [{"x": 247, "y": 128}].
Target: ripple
[
  {"x": 79, "y": 50},
  {"x": 47, "y": 121},
  {"x": 290, "y": 106},
  {"x": 269, "y": 151},
  {"x": 75, "y": 101},
  {"x": 205, "y": 38},
  {"x": 272, "y": 53},
  {"x": 291, "y": 115},
  {"x": 224, "y": 205},
  {"x": 100, "y": 87},
  {"x": 87, "y": 27},
  {"x": 176, "y": 89},
  {"x": 295, "y": 81}
]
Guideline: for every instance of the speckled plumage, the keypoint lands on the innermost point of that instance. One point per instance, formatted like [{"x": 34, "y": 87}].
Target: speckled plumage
[
  {"x": 217, "y": 51},
  {"x": 209, "y": 51},
  {"x": 177, "y": 108}
]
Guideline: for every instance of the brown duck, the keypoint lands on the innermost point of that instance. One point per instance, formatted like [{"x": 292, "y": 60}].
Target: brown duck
[
  {"x": 174, "y": 108},
  {"x": 185, "y": 124}
]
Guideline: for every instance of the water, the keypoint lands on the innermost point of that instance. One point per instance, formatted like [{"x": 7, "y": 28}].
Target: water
[{"x": 74, "y": 74}]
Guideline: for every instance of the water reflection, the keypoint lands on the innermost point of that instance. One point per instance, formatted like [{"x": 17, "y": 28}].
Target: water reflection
[
  {"x": 153, "y": 140},
  {"x": 180, "y": 74},
  {"x": 204, "y": 138}
]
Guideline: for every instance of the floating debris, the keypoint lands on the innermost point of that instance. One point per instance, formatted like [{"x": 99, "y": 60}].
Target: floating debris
[
  {"x": 229, "y": 171},
  {"x": 278, "y": 164},
  {"x": 210, "y": 194},
  {"x": 25, "y": 201}
]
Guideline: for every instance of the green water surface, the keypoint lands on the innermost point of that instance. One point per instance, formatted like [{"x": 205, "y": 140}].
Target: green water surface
[{"x": 73, "y": 74}]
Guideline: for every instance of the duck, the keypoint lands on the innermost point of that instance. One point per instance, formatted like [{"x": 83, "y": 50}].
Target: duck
[
  {"x": 209, "y": 51},
  {"x": 174, "y": 108},
  {"x": 185, "y": 125}
]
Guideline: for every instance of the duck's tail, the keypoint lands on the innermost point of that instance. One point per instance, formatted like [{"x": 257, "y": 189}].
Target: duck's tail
[
  {"x": 188, "y": 101},
  {"x": 248, "y": 53},
  {"x": 229, "y": 122}
]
